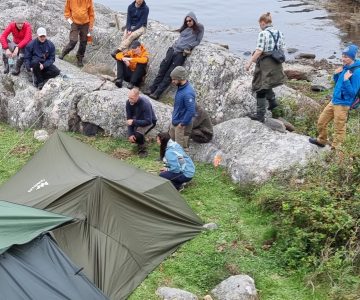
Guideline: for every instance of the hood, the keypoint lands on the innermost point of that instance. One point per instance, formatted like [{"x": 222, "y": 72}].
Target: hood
[
  {"x": 355, "y": 64},
  {"x": 171, "y": 144},
  {"x": 141, "y": 6},
  {"x": 192, "y": 16}
]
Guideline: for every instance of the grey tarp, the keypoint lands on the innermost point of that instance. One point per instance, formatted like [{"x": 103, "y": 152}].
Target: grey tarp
[
  {"x": 128, "y": 220},
  {"x": 40, "y": 270}
]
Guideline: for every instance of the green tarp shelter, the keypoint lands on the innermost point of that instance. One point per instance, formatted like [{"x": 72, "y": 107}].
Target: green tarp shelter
[
  {"x": 127, "y": 221},
  {"x": 31, "y": 264}
]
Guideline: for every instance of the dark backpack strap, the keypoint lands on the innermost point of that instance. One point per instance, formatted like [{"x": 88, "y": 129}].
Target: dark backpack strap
[{"x": 275, "y": 39}]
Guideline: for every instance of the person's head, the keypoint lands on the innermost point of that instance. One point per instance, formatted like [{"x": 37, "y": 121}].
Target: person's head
[
  {"x": 139, "y": 2},
  {"x": 265, "y": 20},
  {"x": 19, "y": 21},
  {"x": 178, "y": 76},
  {"x": 136, "y": 47},
  {"x": 162, "y": 139},
  {"x": 41, "y": 33},
  {"x": 349, "y": 54},
  {"x": 190, "y": 21},
  {"x": 133, "y": 96}
]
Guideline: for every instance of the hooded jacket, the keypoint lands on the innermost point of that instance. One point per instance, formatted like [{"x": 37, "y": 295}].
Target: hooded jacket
[
  {"x": 189, "y": 39},
  {"x": 37, "y": 52},
  {"x": 177, "y": 160},
  {"x": 137, "y": 17},
  {"x": 80, "y": 12},
  {"x": 142, "y": 58},
  {"x": 346, "y": 90},
  {"x": 184, "y": 105},
  {"x": 20, "y": 37}
]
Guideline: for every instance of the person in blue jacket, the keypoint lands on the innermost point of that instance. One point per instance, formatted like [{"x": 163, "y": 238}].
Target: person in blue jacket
[
  {"x": 347, "y": 85},
  {"x": 179, "y": 168},
  {"x": 184, "y": 108},
  {"x": 40, "y": 57}
]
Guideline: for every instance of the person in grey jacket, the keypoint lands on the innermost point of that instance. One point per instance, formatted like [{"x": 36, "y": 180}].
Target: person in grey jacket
[
  {"x": 202, "y": 130},
  {"x": 191, "y": 34}
]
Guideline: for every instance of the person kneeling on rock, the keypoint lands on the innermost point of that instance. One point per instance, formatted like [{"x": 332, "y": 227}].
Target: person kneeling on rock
[
  {"x": 40, "y": 58},
  {"x": 140, "y": 119},
  {"x": 131, "y": 65},
  {"x": 202, "y": 130}
]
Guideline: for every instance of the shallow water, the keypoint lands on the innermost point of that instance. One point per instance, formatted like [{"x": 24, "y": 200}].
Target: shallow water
[{"x": 234, "y": 22}]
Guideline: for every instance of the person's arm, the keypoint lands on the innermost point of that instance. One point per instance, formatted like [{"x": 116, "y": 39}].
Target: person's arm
[
  {"x": 189, "y": 103},
  {"x": 27, "y": 37},
  {"x": 128, "y": 18},
  {"x": 143, "y": 18},
  {"x": 67, "y": 10},
  {"x": 51, "y": 58},
  {"x": 4, "y": 37},
  {"x": 337, "y": 73},
  {"x": 143, "y": 59},
  {"x": 350, "y": 88},
  {"x": 172, "y": 162},
  {"x": 258, "y": 51},
  {"x": 146, "y": 112},
  {"x": 91, "y": 14},
  {"x": 199, "y": 37}
]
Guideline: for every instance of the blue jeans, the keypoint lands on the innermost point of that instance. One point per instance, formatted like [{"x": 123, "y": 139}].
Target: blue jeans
[{"x": 177, "y": 179}]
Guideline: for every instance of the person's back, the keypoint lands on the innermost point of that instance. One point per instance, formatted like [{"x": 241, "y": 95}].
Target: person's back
[{"x": 202, "y": 131}]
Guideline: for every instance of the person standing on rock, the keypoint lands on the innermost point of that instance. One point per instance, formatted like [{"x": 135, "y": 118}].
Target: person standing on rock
[
  {"x": 40, "y": 57},
  {"x": 136, "y": 22},
  {"x": 131, "y": 65},
  {"x": 191, "y": 34},
  {"x": 179, "y": 168},
  {"x": 140, "y": 119},
  {"x": 268, "y": 72},
  {"x": 184, "y": 108},
  {"x": 21, "y": 35},
  {"x": 81, "y": 16},
  {"x": 202, "y": 129},
  {"x": 347, "y": 85}
]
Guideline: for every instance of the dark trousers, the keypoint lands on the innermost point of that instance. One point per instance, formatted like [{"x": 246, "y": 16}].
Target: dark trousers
[
  {"x": 177, "y": 179},
  {"x": 44, "y": 74},
  {"x": 262, "y": 97},
  {"x": 134, "y": 77},
  {"x": 163, "y": 79},
  {"x": 77, "y": 31}
]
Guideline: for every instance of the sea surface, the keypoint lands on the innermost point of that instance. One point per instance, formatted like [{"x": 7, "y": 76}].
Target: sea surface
[{"x": 235, "y": 22}]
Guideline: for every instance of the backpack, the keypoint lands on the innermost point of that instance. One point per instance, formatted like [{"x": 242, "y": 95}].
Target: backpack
[
  {"x": 277, "y": 54},
  {"x": 356, "y": 103}
]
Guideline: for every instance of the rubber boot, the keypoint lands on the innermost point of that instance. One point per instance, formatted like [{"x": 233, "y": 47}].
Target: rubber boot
[
  {"x": 79, "y": 62},
  {"x": 260, "y": 110},
  {"x": 6, "y": 64},
  {"x": 18, "y": 65},
  {"x": 272, "y": 103}
]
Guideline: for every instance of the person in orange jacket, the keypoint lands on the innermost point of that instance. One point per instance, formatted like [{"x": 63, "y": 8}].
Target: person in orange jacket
[
  {"x": 81, "y": 16},
  {"x": 131, "y": 65}
]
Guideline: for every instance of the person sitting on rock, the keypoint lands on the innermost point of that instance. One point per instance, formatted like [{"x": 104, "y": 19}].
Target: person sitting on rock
[
  {"x": 136, "y": 22},
  {"x": 179, "y": 168},
  {"x": 131, "y": 65},
  {"x": 81, "y": 16},
  {"x": 140, "y": 119},
  {"x": 21, "y": 36},
  {"x": 347, "y": 85},
  {"x": 191, "y": 34},
  {"x": 40, "y": 58},
  {"x": 202, "y": 130}
]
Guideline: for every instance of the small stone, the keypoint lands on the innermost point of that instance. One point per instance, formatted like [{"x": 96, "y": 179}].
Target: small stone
[
  {"x": 167, "y": 293},
  {"x": 292, "y": 50},
  {"x": 305, "y": 56},
  {"x": 211, "y": 226},
  {"x": 41, "y": 135},
  {"x": 289, "y": 127},
  {"x": 247, "y": 53},
  {"x": 236, "y": 287},
  {"x": 112, "y": 24},
  {"x": 332, "y": 57}
]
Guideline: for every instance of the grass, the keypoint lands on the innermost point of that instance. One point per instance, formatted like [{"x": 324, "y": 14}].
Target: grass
[{"x": 239, "y": 246}]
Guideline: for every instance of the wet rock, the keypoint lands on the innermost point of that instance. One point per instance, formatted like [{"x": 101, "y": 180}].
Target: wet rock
[
  {"x": 167, "y": 293},
  {"x": 296, "y": 74},
  {"x": 292, "y": 50},
  {"x": 298, "y": 71},
  {"x": 247, "y": 53},
  {"x": 240, "y": 287},
  {"x": 210, "y": 226},
  {"x": 41, "y": 135},
  {"x": 305, "y": 56}
]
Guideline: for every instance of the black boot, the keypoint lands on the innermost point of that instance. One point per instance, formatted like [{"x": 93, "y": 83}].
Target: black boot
[
  {"x": 119, "y": 83},
  {"x": 18, "y": 65},
  {"x": 142, "y": 151},
  {"x": 272, "y": 103},
  {"x": 79, "y": 62},
  {"x": 6, "y": 64}
]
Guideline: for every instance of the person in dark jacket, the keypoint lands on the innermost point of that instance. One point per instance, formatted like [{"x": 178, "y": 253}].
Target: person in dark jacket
[
  {"x": 202, "y": 129},
  {"x": 40, "y": 58},
  {"x": 136, "y": 22},
  {"x": 191, "y": 34},
  {"x": 268, "y": 73},
  {"x": 21, "y": 36},
  {"x": 140, "y": 119},
  {"x": 184, "y": 108}
]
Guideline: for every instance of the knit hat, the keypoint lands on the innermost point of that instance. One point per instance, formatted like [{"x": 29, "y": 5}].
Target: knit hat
[
  {"x": 179, "y": 73},
  {"x": 135, "y": 44},
  {"x": 19, "y": 19},
  {"x": 350, "y": 51},
  {"x": 41, "y": 31}
]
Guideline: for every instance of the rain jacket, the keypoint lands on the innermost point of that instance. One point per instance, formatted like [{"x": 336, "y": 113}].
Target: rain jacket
[
  {"x": 184, "y": 105},
  {"x": 37, "y": 52},
  {"x": 80, "y": 12},
  {"x": 142, "y": 58},
  {"x": 177, "y": 160},
  {"x": 137, "y": 17},
  {"x": 346, "y": 90},
  {"x": 20, "y": 37}
]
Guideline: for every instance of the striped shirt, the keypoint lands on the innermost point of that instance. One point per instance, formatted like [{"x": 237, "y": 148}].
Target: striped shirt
[{"x": 266, "y": 42}]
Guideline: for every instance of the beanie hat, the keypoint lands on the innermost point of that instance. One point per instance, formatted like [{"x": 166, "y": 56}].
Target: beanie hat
[
  {"x": 179, "y": 73},
  {"x": 350, "y": 51},
  {"x": 19, "y": 19},
  {"x": 135, "y": 44}
]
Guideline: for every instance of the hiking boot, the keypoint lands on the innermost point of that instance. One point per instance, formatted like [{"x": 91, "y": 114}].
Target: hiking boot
[
  {"x": 40, "y": 85},
  {"x": 118, "y": 83},
  {"x": 272, "y": 104},
  {"x": 6, "y": 64},
  {"x": 316, "y": 142},
  {"x": 18, "y": 65},
  {"x": 79, "y": 63},
  {"x": 154, "y": 96},
  {"x": 181, "y": 188},
  {"x": 113, "y": 54}
]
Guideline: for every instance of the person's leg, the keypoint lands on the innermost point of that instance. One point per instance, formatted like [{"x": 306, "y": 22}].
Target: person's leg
[
  {"x": 50, "y": 72},
  {"x": 177, "y": 179},
  {"x": 83, "y": 31},
  {"x": 180, "y": 136},
  {"x": 324, "y": 119},
  {"x": 178, "y": 60},
  {"x": 141, "y": 143},
  {"x": 120, "y": 66},
  {"x": 6, "y": 63},
  {"x": 137, "y": 76},
  {"x": 73, "y": 39},
  {"x": 261, "y": 105},
  {"x": 38, "y": 74},
  {"x": 125, "y": 43},
  {"x": 172, "y": 132},
  {"x": 270, "y": 96},
  {"x": 340, "y": 119}
]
